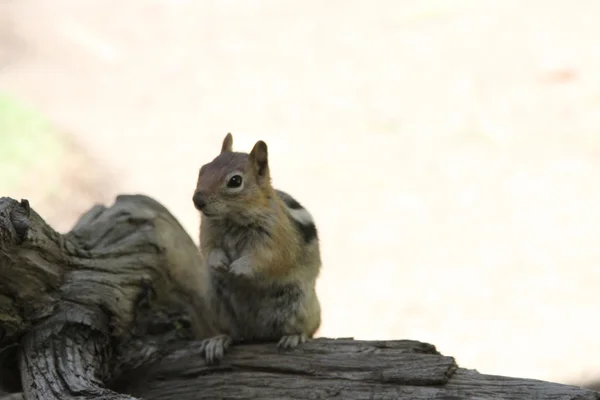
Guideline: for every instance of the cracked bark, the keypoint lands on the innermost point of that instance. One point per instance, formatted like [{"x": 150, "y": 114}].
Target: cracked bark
[{"x": 114, "y": 308}]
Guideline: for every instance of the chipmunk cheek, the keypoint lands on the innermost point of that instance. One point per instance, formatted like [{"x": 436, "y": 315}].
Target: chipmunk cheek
[
  {"x": 213, "y": 212},
  {"x": 219, "y": 208}
]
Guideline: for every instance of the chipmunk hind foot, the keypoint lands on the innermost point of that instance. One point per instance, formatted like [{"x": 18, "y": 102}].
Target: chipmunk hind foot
[
  {"x": 214, "y": 348},
  {"x": 291, "y": 341}
]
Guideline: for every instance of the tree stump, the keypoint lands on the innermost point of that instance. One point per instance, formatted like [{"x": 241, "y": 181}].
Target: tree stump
[{"x": 115, "y": 309}]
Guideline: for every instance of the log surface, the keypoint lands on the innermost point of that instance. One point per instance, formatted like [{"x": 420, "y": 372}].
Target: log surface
[
  {"x": 340, "y": 369},
  {"x": 115, "y": 309}
]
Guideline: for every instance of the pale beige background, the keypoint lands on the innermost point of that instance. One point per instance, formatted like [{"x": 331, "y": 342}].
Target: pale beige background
[{"x": 450, "y": 150}]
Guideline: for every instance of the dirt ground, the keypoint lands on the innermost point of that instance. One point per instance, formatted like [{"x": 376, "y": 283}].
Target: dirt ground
[{"x": 450, "y": 150}]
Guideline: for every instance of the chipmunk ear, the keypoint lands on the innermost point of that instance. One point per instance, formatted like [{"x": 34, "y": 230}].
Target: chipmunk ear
[
  {"x": 227, "y": 143},
  {"x": 258, "y": 159}
]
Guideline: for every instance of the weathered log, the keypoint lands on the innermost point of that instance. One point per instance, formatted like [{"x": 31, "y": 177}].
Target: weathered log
[
  {"x": 72, "y": 300},
  {"x": 114, "y": 308},
  {"x": 344, "y": 369}
]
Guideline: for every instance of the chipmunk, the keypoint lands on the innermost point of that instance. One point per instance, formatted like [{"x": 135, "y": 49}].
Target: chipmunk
[{"x": 262, "y": 251}]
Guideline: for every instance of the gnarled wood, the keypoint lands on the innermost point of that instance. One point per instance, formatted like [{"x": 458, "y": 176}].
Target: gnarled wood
[
  {"x": 108, "y": 311},
  {"x": 72, "y": 300}
]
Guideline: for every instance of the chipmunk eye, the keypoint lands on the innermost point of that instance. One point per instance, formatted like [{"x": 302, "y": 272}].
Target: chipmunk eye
[{"x": 234, "y": 182}]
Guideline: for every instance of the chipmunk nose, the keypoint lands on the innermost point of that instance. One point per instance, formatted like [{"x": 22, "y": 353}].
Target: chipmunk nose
[{"x": 199, "y": 200}]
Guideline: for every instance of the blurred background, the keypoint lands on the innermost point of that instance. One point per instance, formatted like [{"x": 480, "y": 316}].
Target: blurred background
[{"x": 449, "y": 150}]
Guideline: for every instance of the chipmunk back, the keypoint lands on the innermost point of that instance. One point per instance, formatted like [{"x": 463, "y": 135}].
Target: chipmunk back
[{"x": 262, "y": 252}]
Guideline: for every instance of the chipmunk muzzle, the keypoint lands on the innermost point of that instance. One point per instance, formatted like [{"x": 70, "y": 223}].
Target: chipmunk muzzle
[{"x": 199, "y": 200}]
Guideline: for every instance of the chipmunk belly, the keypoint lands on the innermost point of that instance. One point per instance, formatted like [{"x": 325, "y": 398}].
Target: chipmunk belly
[{"x": 263, "y": 313}]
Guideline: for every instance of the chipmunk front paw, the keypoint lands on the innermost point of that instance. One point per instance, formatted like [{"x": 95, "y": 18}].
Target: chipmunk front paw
[
  {"x": 241, "y": 267},
  {"x": 291, "y": 341},
  {"x": 218, "y": 260}
]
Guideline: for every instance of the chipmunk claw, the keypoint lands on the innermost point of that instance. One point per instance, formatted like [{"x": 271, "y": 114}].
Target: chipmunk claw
[
  {"x": 291, "y": 341},
  {"x": 214, "y": 348}
]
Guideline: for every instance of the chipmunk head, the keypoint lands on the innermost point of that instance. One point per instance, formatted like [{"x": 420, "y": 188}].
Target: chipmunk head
[{"x": 234, "y": 182}]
